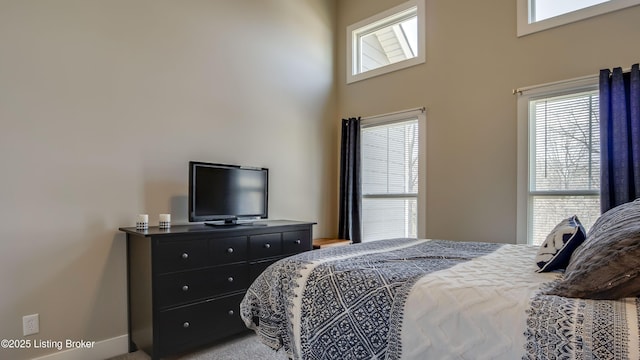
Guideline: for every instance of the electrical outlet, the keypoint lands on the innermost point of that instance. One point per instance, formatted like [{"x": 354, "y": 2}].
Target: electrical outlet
[{"x": 30, "y": 324}]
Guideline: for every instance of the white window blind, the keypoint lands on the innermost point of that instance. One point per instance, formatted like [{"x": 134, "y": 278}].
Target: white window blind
[
  {"x": 390, "y": 180},
  {"x": 564, "y": 161}
]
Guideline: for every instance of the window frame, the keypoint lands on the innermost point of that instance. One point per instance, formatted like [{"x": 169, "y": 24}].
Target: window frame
[
  {"x": 420, "y": 115},
  {"x": 525, "y": 26},
  {"x": 354, "y": 31},
  {"x": 526, "y": 137}
]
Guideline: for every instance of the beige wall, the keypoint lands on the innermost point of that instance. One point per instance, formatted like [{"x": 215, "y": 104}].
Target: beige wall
[
  {"x": 473, "y": 61},
  {"x": 103, "y": 103}
]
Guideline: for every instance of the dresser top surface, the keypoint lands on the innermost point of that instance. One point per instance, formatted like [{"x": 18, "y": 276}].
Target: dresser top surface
[{"x": 202, "y": 228}]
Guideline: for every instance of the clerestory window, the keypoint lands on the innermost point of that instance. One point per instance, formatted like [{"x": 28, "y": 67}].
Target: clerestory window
[
  {"x": 538, "y": 15},
  {"x": 386, "y": 42}
]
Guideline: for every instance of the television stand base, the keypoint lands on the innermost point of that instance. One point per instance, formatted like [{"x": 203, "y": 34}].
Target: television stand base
[
  {"x": 234, "y": 223},
  {"x": 221, "y": 224}
]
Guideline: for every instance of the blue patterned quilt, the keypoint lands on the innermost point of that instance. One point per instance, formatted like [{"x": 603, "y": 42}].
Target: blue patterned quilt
[{"x": 427, "y": 299}]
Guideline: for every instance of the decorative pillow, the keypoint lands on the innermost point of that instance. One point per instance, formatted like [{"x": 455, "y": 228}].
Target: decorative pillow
[
  {"x": 607, "y": 265},
  {"x": 556, "y": 250}
]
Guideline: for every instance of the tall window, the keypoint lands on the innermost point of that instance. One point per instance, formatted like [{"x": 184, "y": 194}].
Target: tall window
[
  {"x": 537, "y": 15},
  {"x": 390, "y": 178},
  {"x": 386, "y": 42},
  {"x": 563, "y": 163}
]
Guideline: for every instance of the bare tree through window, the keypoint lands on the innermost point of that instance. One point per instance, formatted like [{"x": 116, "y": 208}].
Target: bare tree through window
[{"x": 566, "y": 161}]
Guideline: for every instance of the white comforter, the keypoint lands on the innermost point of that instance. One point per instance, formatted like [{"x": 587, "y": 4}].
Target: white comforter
[{"x": 474, "y": 310}]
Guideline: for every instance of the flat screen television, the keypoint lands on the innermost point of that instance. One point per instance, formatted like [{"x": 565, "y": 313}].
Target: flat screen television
[{"x": 221, "y": 194}]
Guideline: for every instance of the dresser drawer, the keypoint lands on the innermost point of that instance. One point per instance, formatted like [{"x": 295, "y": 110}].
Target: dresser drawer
[
  {"x": 229, "y": 278},
  {"x": 193, "y": 325},
  {"x": 265, "y": 246},
  {"x": 294, "y": 242},
  {"x": 181, "y": 255},
  {"x": 182, "y": 287},
  {"x": 228, "y": 250}
]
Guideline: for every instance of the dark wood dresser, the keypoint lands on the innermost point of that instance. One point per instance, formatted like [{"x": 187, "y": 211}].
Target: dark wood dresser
[{"x": 185, "y": 283}]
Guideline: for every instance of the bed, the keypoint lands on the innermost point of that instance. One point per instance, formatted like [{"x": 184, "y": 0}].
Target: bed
[{"x": 438, "y": 299}]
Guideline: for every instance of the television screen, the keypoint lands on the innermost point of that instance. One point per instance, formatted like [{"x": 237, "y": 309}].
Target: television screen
[{"x": 226, "y": 192}]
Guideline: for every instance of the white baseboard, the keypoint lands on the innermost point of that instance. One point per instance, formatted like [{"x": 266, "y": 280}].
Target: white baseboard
[{"x": 99, "y": 351}]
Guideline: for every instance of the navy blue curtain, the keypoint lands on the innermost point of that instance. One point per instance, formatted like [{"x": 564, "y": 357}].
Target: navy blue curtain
[
  {"x": 350, "y": 184},
  {"x": 619, "y": 136}
]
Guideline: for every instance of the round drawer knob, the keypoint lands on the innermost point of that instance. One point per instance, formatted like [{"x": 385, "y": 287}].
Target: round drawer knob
[
  {"x": 185, "y": 255},
  {"x": 185, "y": 288},
  {"x": 230, "y": 313},
  {"x": 230, "y": 250},
  {"x": 298, "y": 242},
  {"x": 186, "y": 324},
  {"x": 230, "y": 279},
  {"x": 266, "y": 246}
]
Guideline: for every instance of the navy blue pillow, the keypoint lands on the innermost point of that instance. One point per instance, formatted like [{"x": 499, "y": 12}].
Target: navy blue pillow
[{"x": 557, "y": 248}]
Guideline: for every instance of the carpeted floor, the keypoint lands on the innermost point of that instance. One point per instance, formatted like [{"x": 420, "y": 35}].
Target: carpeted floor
[{"x": 246, "y": 346}]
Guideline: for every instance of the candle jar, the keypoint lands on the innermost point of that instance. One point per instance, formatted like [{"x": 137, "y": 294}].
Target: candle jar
[
  {"x": 165, "y": 221},
  {"x": 143, "y": 222}
]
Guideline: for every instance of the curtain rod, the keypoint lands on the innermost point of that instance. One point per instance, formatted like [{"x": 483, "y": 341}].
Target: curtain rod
[
  {"x": 421, "y": 109},
  {"x": 519, "y": 91}
]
